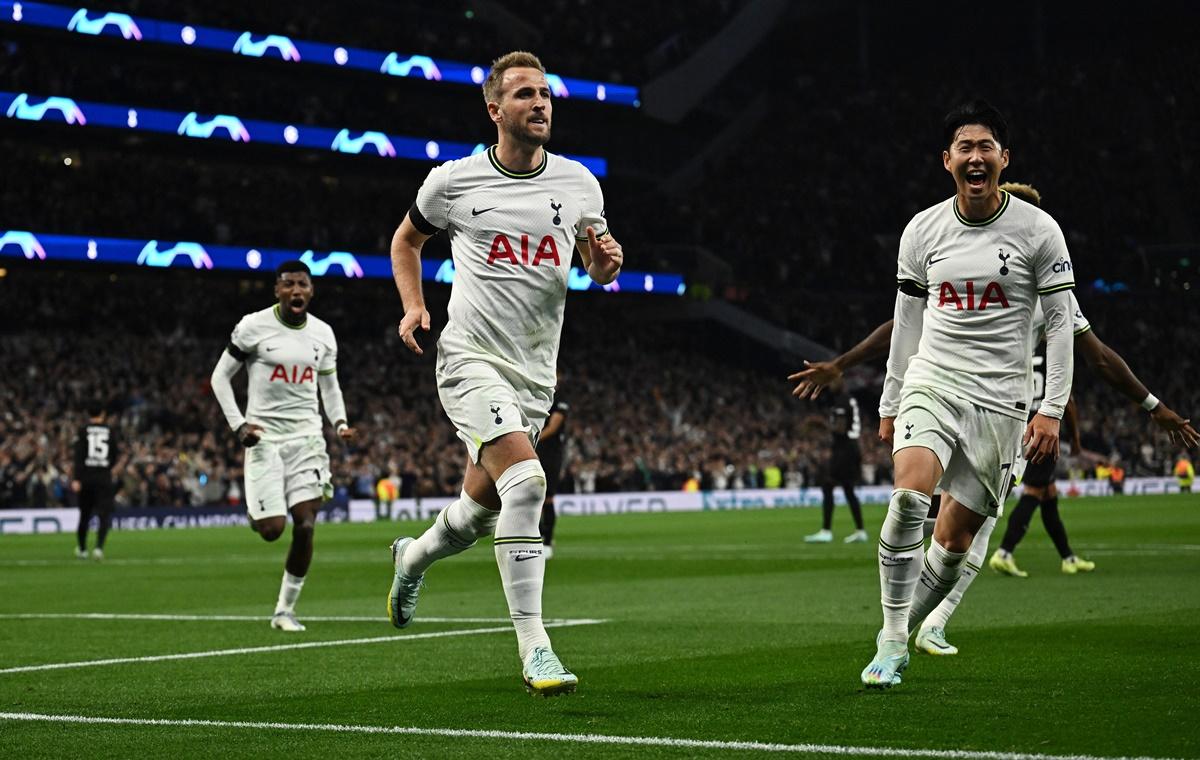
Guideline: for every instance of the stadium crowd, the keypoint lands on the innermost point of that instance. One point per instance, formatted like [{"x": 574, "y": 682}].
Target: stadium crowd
[{"x": 654, "y": 406}]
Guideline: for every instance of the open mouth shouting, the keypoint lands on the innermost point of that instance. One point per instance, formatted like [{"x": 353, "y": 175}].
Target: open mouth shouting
[{"x": 976, "y": 179}]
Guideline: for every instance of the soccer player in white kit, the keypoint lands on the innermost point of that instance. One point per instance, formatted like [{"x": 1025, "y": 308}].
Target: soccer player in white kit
[
  {"x": 513, "y": 214},
  {"x": 288, "y": 354},
  {"x": 970, "y": 271}
]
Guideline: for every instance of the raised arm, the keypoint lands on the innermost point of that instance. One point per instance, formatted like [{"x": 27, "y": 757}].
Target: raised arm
[
  {"x": 1110, "y": 366},
  {"x": 821, "y": 375},
  {"x": 602, "y": 256},
  {"x": 406, "y": 270}
]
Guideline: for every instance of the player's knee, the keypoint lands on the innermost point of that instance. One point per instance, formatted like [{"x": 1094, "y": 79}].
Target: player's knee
[
  {"x": 1051, "y": 491},
  {"x": 523, "y": 486},
  {"x": 270, "y": 528},
  {"x": 302, "y": 530}
]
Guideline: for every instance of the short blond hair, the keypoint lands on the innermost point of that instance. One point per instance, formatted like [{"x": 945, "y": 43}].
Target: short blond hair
[
  {"x": 1024, "y": 192},
  {"x": 517, "y": 59}
]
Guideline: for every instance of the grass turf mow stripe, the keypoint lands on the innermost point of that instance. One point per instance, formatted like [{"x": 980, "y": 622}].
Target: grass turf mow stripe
[
  {"x": 641, "y": 741},
  {"x": 241, "y": 618},
  {"x": 281, "y": 647}
]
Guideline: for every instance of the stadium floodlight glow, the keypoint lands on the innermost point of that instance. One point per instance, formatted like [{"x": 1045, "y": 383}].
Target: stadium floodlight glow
[
  {"x": 283, "y": 45},
  {"x": 226, "y": 127},
  {"x": 125, "y": 25},
  {"x": 21, "y": 108},
  {"x": 30, "y": 246},
  {"x": 389, "y": 63},
  {"x": 46, "y": 248},
  {"x": 192, "y": 126},
  {"x": 320, "y": 267},
  {"x": 151, "y": 256}
]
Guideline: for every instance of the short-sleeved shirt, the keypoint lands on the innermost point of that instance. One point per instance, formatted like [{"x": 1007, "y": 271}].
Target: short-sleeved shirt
[
  {"x": 282, "y": 364},
  {"x": 845, "y": 423},
  {"x": 95, "y": 454},
  {"x": 511, "y": 237},
  {"x": 981, "y": 280},
  {"x": 1079, "y": 325}
]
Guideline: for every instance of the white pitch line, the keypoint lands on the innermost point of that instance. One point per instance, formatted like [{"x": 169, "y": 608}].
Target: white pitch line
[
  {"x": 226, "y": 618},
  {"x": 639, "y": 741},
  {"x": 281, "y": 647}
]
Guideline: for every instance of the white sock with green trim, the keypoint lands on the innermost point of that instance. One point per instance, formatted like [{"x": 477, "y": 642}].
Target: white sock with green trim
[
  {"x": 519, "y": 552},
  {"x": 900, "y": 543},
  {"x": 940, "y": 617},
  {"x": 456, "y": 529},
  {"x": 939, "y": 574}
]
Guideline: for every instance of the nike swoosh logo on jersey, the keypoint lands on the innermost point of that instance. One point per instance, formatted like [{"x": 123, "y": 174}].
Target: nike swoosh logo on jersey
[
  {"x": 934, "y": 261},
  {"x": 482, "y": 210},
  {"x": 271, "y": 348}
]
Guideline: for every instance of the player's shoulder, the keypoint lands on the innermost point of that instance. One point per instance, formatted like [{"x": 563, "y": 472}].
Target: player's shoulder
[
  {"x": 935, "y": 215},
  {"x": 562, "y": 167},
  {"x": 258, "y": 319},
  {"x": 1029, "y": 216},
  {"x": 320, "y": 328}
]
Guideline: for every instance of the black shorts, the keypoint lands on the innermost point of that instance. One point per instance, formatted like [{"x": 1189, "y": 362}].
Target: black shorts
[
  {"x": 552, "y": 464},
  {"x": 845, "y": 467},
  {"x": 95, "y": 498},
  {"x": 1041, "y": 474}
]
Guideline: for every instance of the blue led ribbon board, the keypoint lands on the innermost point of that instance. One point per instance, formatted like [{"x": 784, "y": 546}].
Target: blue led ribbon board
[
  {"x": 179, "y": 254},
  {"x": 96, "y": 23},
  {"x": 29, "y": 107}
]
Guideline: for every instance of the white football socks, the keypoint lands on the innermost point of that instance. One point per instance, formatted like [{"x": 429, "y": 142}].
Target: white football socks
[
  {"x": 939, "y": 574},
  {"x": 900, "y": 543},
  {"x": 456, "y": 529},
  {"x": 940, "y": 617},
  {"x": 289, "y": 592},
  {"x": 519, "y": 553}
]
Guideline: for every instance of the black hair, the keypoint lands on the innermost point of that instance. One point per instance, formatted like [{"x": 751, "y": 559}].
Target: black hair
[
  {"x": 977, "y": 111},
  {"x": 292, "y": 266},
  {"x": 95, "y": 407}
]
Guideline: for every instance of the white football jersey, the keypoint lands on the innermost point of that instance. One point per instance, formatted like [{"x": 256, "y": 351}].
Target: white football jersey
[
  {"x": 282, "y": 365},
  {"x": 1037, "y": 382},
  {"x": 511, "y": 235},
  {"x": 982, "y": 280}
]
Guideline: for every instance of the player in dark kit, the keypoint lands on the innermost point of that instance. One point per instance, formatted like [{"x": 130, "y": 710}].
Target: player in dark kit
[
  {"x": 843, "y": 469},
  {"x": 550, "y": 449},
  {"x": 95, "y": 458}
]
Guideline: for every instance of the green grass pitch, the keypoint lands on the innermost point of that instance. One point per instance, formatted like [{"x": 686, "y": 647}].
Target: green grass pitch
[{"x": 718, "y": 626}]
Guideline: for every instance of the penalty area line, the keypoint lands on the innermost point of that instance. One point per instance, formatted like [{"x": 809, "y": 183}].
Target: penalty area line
[
  {"x": 640, "y": 741},
  {"x": 282, "y": 647}
]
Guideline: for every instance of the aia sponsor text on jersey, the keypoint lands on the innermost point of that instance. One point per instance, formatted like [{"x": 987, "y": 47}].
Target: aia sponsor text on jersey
[
  {"x": 964, "y": 297},
  {"x": 297, "y": 376},
  {"x": 503, "y": 249}
]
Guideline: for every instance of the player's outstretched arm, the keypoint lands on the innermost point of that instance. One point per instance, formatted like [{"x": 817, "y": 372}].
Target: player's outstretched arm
[
  {"x": 1116, "y": 372},
  {"x": 406, "y": 270},
  {"x": 602, "y": 256},
  {"x": 820, "y": 375}
]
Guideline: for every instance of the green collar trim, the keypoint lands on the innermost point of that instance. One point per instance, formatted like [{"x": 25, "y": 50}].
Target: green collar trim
[
  {"x": 285, "y": 323},
  {"x": 1000, "y": 211},
  {"x": 491, "y": 154}
]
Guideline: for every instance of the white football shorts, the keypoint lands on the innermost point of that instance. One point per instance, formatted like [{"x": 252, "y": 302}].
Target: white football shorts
[
  {"x": 282, "y": 474},
  {"x": 977, "y": 447},
  {"x": 484, "y": 402}
]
